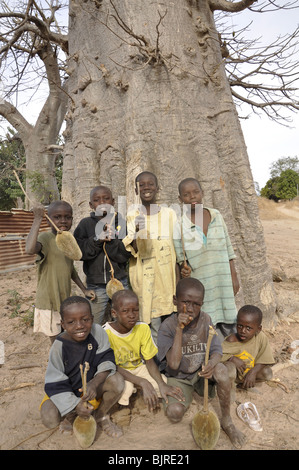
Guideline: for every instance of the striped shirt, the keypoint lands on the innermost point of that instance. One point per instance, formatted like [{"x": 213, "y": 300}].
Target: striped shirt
[
  {"x": 63, "y": 377},
  {"x": 209, "y": 259}
]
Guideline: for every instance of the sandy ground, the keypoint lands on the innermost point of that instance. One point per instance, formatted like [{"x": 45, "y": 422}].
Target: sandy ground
[{"x": 26, "y": 354}]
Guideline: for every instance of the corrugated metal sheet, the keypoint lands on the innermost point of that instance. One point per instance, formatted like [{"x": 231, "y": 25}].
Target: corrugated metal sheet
[{"x": 14, "y": 228}]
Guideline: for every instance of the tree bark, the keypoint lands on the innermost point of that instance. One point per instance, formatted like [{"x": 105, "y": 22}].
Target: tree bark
[{"x": 149, "y": 92}]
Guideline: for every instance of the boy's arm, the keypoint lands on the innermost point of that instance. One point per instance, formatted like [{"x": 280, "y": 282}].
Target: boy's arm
[
  {"x": 93, "y": 385},
  {"x": 250, "y": 377},
  {"x": 207, "y": 371},
  {"x": 149, "y": 395},
  {"x": 165, "y": 389},
  {"x": 32, "y": 245},
  {"x": 87, "y": 292},
  {"x": 129, "y": 377},
  {"x": 235, "y": 280},
  {"x": 174, "y": 354}
]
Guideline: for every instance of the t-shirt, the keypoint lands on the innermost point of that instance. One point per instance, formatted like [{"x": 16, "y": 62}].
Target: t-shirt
[
  {"x": 152, "y": 272},
  {"x": 63, "y": 376},
  {"x": 255, "y": 351},
  {"x": 54, "y": 274},
  {"x": 130, "y": 348},
  {"x": 194, "y": 343}
]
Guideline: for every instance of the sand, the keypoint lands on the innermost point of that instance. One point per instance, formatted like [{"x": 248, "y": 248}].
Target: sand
[{"x": 26, "y": 355}]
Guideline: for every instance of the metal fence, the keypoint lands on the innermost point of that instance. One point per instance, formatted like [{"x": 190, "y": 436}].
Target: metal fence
[{"x": 14, "y": 228}]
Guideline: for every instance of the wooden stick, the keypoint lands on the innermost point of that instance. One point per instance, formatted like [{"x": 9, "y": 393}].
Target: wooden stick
[
  {"x": 17, "y": 387},
  {"x": 83, "y": 377},
  {"x": 112, "y": 270},
  {"x": 212, "y": 332},
  {"x": 183, "y": 244}
]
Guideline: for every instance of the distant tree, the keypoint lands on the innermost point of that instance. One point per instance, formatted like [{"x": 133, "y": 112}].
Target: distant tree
[
  {"x": 12, "y": 154},
  {"x": 13, "y": 157},
  {"x": 287, "y": 184},
  {"x": 270, "y": 189},
  {"x": 284, "y": 186},
  {"x": 282, "y": 164}
]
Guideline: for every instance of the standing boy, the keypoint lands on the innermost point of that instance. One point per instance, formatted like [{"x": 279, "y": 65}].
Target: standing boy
[
  {"x": 152, "y": 268},
  {"x": 210, "y": 256},
  {"x": 102, "y": 230},
  {"x": 55, "y": 270}
]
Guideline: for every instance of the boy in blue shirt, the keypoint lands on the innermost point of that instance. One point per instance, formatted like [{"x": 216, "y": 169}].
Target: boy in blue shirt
[{"x": 81, "y": 341}]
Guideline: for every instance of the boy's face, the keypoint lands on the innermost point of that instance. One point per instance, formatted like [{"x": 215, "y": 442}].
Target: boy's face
[
  {"x": 77, "y": 321},
  {"x": 62, "y": 217},
  {"x": 126, "y": 313},
  {"x": 148, "y": 188},
  {"x": 191, "y": 194},
  {"x": 247, "y": 327},
  {"x": 101, "y": 202},
  {"x": 192, "y": 298}
]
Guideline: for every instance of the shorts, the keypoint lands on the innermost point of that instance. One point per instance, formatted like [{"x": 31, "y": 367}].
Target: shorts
[
  {"x": 47, "y": 322},
  {"x": 188, "y": 387},
  {"x": 130, "y": 388}
]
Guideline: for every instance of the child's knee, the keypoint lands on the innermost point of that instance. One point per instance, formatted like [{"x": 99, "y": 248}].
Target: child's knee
[
  {"x": 50, "y": 415},
  {"x": 232, "y": 370},
  {"x": 175, "y": 412},
  {"x": 222, "y": 373},
  {"x": 265, "y": 374},
  {"x": 116, "y": 383}
]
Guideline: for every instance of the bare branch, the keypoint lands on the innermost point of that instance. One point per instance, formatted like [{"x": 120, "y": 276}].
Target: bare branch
[
  {"x": 12, "y": 115},
  {"x": 264, "y": 77},
  {"x": 232, "y": 7}
]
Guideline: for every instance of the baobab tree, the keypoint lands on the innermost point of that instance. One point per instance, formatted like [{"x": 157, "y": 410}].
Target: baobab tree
[{"x": 148, "y": 89}]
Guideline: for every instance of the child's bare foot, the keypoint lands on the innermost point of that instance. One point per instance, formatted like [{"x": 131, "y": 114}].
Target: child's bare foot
[
  {"x": 237, "y": 437},
  {"x": 110, "y": 428}
]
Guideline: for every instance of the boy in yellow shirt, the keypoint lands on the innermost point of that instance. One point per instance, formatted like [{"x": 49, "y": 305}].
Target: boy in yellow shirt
[{"x": 132, "y": 344}]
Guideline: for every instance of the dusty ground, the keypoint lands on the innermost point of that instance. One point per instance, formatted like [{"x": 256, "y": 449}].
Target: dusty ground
[{"x": 22, "y": 375}]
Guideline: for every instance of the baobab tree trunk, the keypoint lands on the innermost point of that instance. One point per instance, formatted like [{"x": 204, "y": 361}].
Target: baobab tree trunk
[{"x": 149, "y": 92}]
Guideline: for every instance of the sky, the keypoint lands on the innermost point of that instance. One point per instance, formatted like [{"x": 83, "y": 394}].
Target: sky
[{"x": 266, "y": 140}]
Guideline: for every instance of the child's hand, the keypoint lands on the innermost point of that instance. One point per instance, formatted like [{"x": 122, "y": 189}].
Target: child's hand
[
  {"x": 184, "y": 318},
  {"x": 168, "y": 390},
  {"x": 38, "y": 211},
  {"x": 109, "y": 232},
  {"x": 185, "y": 270},
  {"x": 236, "y": 284},
  {"x": 240, "y": 365},
  {"x": 91, "y": 391},
  {"x": 207, "y": 371},
  {"x": 250, "y": 379},
  {"x": 90, "y": 294},
  {"x": 139, "y": 222},
  {"x": 84, "y": 409},
  {"x": 149, "y": 395}
]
